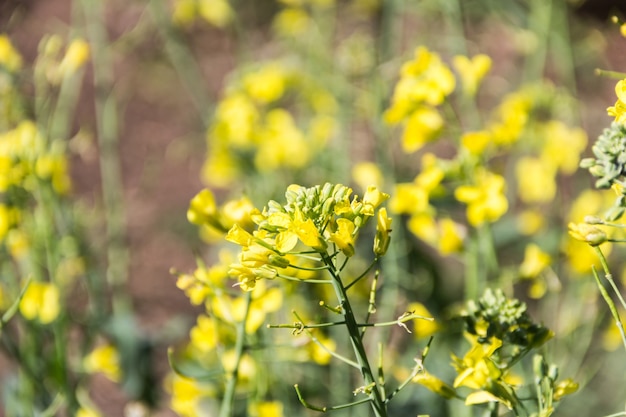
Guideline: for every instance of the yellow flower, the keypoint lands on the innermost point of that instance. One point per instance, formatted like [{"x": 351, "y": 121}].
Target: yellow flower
[
  {"x": 366, "y": 173},
  {"x": 422, "y": 126},
  {"x": 485, "y": 200},
  {"x": 9, "y": 57},
  {"x": 619, "y": 109},
  {"x": 266, "y": 84},
  {"x": 475, "y": 369},
  {"x": 238, "y": 235},
  {"x": 408, "y": 198},
  {"x": 267, "y": 409},
  {"x": 281, "y": 143},
  {"x": 216, "y": 12},
  {"x": 422, "y": 328},
  {"x": 41, "y": 302},
  {"x": 450, "y": 236},
  {"x": 383, "y": 229},
  {"x": 344, "y": 236},
  {"x": 592, "y": 235},
  {"x": 563, "y": 146},
  {"x": 75, "y": 57},
  {"x": 372, "y": 199},
  {"x": 529, "y": 222},
  {"x": 236, "y": 119},
  {"x": 565, "y": 387},
  {"x": 202, "y": 208},
  {"x": 472, "y": 71},
  {"x": 204, "y": 335},
  {"x": 292, "y": 21},
  {"x": 431, "y": 174},
  {"x": 536, "y": 180},
  {"x": 476, "y": 142},
  {"x": 535, "y": 261},
  {"x": 88, "y": 412},
  {"x": 104, "y": 359},
  {"x": 186, "y": 394},
  {"x": 247, "y": 366},
  {"x": 434, "y": 384}
]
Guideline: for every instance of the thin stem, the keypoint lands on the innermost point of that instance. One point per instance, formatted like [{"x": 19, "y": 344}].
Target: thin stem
[
  {"x": 226, "y": 409},
  {"x": 308, "y": 281},
  {"x": 377, "y": 403},
  {"x": 357, "y": 279},
  {"x": 110, "y": 165},
  {"x": 325, "y": 409},
  {"x": 608, "y": 275},
  {"x": 611, "y": 305}
]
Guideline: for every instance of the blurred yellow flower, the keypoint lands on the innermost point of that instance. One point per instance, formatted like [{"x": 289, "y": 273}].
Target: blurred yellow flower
[
  {"x": 472, "y": 71},
  {"x": 204, "y": 335},
  {"x": 536, "y": 180},
  {"x": 421, "y": 126},
  {"x": 9, "y": 57},
  {"x": 267, "y": 84},
  {"x": 319, "y": 351},
  {"x": 367, "y": 173},
  {"x": 88, "y": 412},
  {"x": 75, "y": 57},
  {"x": 408, "y": 198},
  {"x": 266, "y": 409},
  {"x": 41, "y": 302},
  {"x": 535, "y": 261},
  {"x": 422, "y": 328},
  {"x": 563, "y": 146},
  {"x": 434, "y": 384},
  {"x": 291, "y": 21},
  {"x": 186, "y": 394},
  {"x": 216, "y": 12},
  {"x": 485, "y": 200},
  {"x": 247, "y": 366},
  {"x": 476, "y": 142},
  {"x": 530, "y": 222},
  {"x": 104, "y": 359}
]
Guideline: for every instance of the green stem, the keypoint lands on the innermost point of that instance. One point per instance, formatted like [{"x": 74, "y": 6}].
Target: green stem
[
  {"x": 611, "y": 304},
  {"x": 226, "y": 409},
  {"x": 608, "y": 275},
  {"x": 377, "y": 402},
  {"x": 110, "y": 166}
]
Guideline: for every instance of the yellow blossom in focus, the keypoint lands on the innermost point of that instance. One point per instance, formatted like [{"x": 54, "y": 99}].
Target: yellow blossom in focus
[
  {"x": 9, "y": 57},
  {"x": 472, "y": 71},
  {"x": 536, "y": 180},
  {"x": 104, "y": 359},
  {"x": 485, "y": 200},
  {"x": 343, "y": 238},
  {"x": 41, "y": 302},
  {"x": 618, "y": 111},
  {"x": 372, "y": 199},
  {"x": 475, "y": 369}
]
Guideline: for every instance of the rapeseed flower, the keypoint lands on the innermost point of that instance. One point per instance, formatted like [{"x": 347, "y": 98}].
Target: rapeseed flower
[
  {"x": 186, "y": 395},
  {"x": 536, "y": 180},
  {"x": 266, "y": 409},
  {"x": 472, "y": 71},
  {"x": 562, "y": 146},
  {"x": 9, "y": 57},
  {"x": 41, "y": 302},
  {"x": 476, "y": 142},
  {"x": 421, "y": 126},
  {"x": 343, "y": 238},
  {"x": 618, "y": 111},
  {"x": 104, "y": 359},
  {"x": 267, "y": 84},
  {"x": 485, "y": 199},
  {"x": 216, "y": 12},
  {"x": 367, "y": 173}
]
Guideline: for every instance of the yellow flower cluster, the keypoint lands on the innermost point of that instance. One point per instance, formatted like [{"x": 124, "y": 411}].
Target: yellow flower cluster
[
  {"x": 254, "y": 126},
  {"x": 414, "y": 199},
  {"x": 424, "y": 83},
  {"x": 315, "y": 218}
]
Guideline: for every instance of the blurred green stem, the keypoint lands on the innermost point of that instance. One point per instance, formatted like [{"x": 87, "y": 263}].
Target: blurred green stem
[
  {"x": 226, "y": 410},
  {"x": 110, "y": 165}
]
